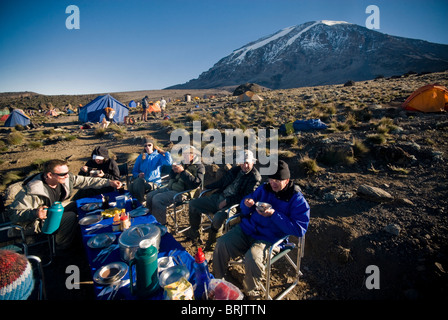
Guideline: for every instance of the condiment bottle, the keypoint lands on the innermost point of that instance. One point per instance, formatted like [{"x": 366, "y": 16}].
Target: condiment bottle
[
  {"x": 125, "y": 223},
  {"x": 202, "y": 275},
  {"x": 116, "y": 225}
]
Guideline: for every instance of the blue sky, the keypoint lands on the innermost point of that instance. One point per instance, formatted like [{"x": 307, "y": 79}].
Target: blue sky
[{"x": 127, "y": 45}]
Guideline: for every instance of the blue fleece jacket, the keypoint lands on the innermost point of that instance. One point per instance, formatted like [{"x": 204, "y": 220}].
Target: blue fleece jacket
[
  {"x": 291, "y": 215},
  {"x": 151, "y": 166}
]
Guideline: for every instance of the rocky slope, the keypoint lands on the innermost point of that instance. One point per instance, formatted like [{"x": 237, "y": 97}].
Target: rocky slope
[{"x": 401, "y": 229}]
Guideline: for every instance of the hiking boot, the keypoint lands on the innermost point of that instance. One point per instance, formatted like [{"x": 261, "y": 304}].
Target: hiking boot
[
  {"x": 211, "y": 240},
  {"x": 194, "y": 236}
]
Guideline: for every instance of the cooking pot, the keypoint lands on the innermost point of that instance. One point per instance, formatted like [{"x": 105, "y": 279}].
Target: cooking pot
[{"x": 130, "y": 239}]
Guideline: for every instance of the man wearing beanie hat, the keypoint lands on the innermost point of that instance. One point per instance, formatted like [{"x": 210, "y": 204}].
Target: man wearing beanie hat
[{"x": 289, "y": 215}]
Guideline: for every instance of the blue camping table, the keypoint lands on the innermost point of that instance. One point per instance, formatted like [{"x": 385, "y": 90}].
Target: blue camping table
[{"x": 167, "y": 246}]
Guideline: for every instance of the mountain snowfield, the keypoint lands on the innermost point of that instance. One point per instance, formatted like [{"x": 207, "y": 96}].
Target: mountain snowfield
[
  {"x": 320, "y": 53},
  {"x": 240, "y": 53}
]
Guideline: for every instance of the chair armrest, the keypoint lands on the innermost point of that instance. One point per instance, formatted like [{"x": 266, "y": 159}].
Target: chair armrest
[
  {"x": 186, "y": 192},
  {"x": 206, "y": 191},
  {"x": 10, "y": 225}
]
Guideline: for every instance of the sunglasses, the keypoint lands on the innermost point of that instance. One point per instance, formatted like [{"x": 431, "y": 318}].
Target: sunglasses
[
  {"x": 60, "y": 174},
  {"x": 148, "y": 145}
]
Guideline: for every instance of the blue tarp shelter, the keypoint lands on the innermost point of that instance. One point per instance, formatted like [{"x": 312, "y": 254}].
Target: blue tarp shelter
[
  {"x": 302, "y": 125},
  {"x": 94, "y": 110},
  {"x": 17, "y": 116}
]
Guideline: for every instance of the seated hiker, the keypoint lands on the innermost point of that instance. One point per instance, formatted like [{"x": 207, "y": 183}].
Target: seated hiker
[
  {"x": 147, "y": 169},
  {"x": 183, "y": 176},
  {"x": 101, "y": 166},
  {"x": 41, "y": 190},
  {"x": 232, "y": 187},
  {"x": 258, "y": 229}
]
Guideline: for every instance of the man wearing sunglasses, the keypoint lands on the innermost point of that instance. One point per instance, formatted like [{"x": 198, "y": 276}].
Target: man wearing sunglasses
[{"x": 41, "y": 190}]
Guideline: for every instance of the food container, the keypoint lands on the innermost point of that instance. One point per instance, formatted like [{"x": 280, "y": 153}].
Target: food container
[
  {"x": 263, "y": 206},
  {"x": 130, "y": 239}
]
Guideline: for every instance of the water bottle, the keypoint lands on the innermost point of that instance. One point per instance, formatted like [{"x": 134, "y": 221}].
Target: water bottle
[
  {"x": 202, "y": 275},
  {"x": 54, "y": 216},
  {"x": 145, "y": 262}
]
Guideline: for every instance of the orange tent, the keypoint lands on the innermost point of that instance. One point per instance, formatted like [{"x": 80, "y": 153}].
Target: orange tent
[
  {"x": 429, "y": 98},
  {"x": 154, "y": 107}
]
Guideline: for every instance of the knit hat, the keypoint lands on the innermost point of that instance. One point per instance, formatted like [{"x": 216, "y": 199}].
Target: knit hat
[
  {"x": 16, "y": 276},
  {"x": 100, "y": 153},
  {"x": 282, "y": 172}
]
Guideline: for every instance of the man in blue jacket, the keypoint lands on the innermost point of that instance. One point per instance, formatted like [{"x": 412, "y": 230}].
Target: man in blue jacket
[
  {"x": 289, "y": 215},
  {"x": 147, "y": 169}
]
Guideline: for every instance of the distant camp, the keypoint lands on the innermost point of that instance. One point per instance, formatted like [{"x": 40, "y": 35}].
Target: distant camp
[{"x": 429, "y": 98}]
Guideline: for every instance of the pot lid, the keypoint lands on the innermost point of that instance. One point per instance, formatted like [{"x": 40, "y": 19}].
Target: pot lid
[{"x": 132, "y": 236}]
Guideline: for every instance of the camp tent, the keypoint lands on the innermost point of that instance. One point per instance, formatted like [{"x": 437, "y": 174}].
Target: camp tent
[
  {"x": 132, "y": 104},
  {"x": 52, "y": 113},
  {"x": 429, "y": 98},
  {"x": 154, "y": 107},
  {"x": 94, "y": 110},
  {"x": 5, "y": 111},
  {"x": 17, "y": 116},
  {"x": 248, "y": 96}
]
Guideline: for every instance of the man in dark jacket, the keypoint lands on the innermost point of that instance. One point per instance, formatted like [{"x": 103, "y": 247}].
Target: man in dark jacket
[
  {"x": 101, "y": 166},
  {"x": 231, "y": 188}
]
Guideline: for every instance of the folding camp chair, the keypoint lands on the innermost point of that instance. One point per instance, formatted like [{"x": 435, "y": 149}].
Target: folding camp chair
[
  {"x": 283, "y": 248},
  {"x": 124, "y": 173},
  {"x": 8, "y": 235},
  {"x": 179, "y": 205},
  {"x": 36, "y": 262}
]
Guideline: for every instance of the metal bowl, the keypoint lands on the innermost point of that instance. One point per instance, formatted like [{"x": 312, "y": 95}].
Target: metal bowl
[
  {"x": 110, "y": 273},
  {"x": 90, "y": 219},
  {"x": 173, "y": 274},
  {"x": 101, "y": 240},
  {"x": 263, "y": 206}
]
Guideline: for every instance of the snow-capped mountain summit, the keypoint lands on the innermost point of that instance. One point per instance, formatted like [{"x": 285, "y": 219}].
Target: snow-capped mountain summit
[{"x": 322, "y": 52}]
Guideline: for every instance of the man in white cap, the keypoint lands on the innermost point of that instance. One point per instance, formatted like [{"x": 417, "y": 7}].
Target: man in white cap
[{"x": 231, "y": 188}]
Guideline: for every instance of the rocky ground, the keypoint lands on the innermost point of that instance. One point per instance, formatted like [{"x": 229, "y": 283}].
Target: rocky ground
[{"x": 376, "y": 179}]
